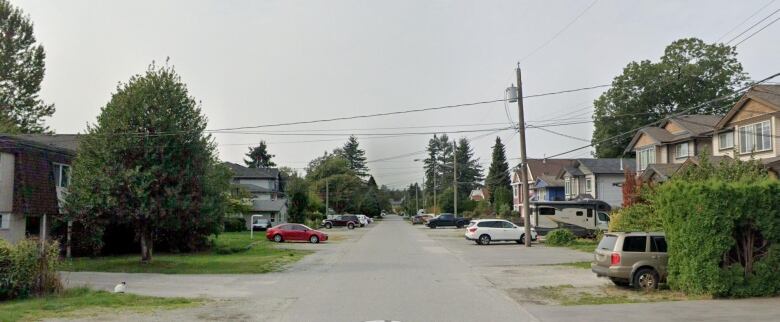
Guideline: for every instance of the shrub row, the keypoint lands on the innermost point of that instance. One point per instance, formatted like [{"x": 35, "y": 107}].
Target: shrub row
[
  {"x": 560, "y": 237},
  {"x": 26, "y": 271}
]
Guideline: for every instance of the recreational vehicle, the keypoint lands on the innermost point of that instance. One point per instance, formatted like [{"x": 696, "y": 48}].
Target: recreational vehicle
[{"x": 582, "y": 217}]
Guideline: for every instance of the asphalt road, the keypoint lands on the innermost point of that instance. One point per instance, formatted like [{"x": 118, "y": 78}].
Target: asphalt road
[{"x": 394, "y": 271}]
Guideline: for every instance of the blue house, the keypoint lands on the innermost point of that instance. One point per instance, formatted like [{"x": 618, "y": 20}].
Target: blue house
[{"x": 549, "y": 188}]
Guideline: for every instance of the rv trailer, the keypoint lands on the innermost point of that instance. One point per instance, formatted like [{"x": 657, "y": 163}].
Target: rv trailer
[{"x": 583, "y": 217}]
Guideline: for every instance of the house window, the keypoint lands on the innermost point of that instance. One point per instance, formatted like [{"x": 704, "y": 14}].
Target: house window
[
  {"x": 588, "y": 184},
  {"x": 681, "y": 150},
  {"x": 646, "y": 156},
  {"x": 567, "y": 186},
  {"x": 726, "y": 140},
  {"x": 61, "y": 175},
  {"x": 5, "y": 221},
  {"x": 755, "y": 137}
]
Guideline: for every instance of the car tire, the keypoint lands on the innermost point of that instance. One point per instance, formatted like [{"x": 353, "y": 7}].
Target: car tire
[
  {"x": 459, "y": 225},
  {"x": 484, "y": 239},
  {"x": 432, "y": 226},
  {"x": 278, "y": 238},
  {"x": 646, "y": 279},
  {"x": 314, "y": 239},
  {"x": 328, "y": 225},
  {"x": 521, "y": 240},
  {"x": 350, "y": 226}
]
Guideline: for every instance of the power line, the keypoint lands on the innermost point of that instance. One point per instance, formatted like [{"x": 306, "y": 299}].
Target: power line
[
  {"x": 757, "y": 31},
  {"x": 752, "y": 26},
  {"x": 555, "y": 36},
  {"x": 746, "y": 20}
]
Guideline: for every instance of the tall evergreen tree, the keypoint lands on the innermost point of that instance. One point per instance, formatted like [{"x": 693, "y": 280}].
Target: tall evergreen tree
[
  {"x": 169, "y": 188},
  {"x": 498, "y": 173},
  {"x": 22, "y": 69},
  {"x": 355, "y": 156},
  {"x": 259, "y": 157},
  {"x": 689, "y": 73},
  {"x": 469, "y": 169}
]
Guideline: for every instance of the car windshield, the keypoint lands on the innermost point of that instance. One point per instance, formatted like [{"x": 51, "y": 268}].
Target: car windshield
[{"x": 607, "y": 242}]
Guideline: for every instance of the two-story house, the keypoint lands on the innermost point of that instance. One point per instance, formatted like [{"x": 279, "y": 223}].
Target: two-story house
[
  {"x": 596, "y": 179},
  {"x": 264, "y": 186},
  {"x": 34, "y": 176},
  {"x": 750, "y": 129},
  {"x": 543, "y": 184},
  {"x": 661, "y": 150}
]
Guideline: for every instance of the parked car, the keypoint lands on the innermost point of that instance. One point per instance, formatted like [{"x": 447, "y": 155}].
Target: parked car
[
  {"x": 261, "y": 224},
  {"x": 635, "y": 259},
  {"x": 364, "y": 220},
  {"x": 485, "y": 231},
  {"x": 418, "y": 220},
  {"x": 447, "y": 220},
  {"x": 290, "y": 232},
  {"x": 349, "y": 221}
]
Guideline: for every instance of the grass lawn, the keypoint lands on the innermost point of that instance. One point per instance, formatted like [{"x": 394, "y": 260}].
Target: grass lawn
[
  {"x": 83, "y": 301},
  {"x": 585, "y": 265},
  {"x": 233, "y": 253},
  {"x": 582, "y": 244},
  {"x": 570, "y": 295}
]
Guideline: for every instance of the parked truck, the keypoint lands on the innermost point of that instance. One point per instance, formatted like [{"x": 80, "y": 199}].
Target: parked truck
[{"x": 448, "y": 220}]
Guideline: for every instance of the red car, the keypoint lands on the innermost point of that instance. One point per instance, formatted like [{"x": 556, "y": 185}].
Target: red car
[{"x": 284, "y": 232}]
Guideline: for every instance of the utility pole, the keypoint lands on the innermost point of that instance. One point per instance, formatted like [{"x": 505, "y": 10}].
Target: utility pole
[
  {"x": 327, "y": 195},
  {"x": 523, "y": 162},
  {"x": 416, "y": 199},
  {"x": 435, "y": 209},
  {"x": 455, "y": 176}
]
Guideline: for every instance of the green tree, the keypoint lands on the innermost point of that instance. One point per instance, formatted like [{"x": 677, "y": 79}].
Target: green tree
[
  {"x": 130, "y": 171},
  {"x": 343, "y": 186},
  {"x": 438, "y": 164},
  {"x": 259, "y": 157},
  {"x": 356, "y": 157},
  {"x": 469, "y": 170},
  {"x": 689, "y": 73},
  {"x": 498, "y": 173},
  {"x": 22, "y": 69},
  {"x": 298, "y": 196}
]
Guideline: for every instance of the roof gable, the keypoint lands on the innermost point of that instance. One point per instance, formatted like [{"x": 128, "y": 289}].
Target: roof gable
[{"x": 759, "y": 100}]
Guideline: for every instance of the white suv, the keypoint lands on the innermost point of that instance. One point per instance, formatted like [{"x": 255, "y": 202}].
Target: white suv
[{"x": 486, "y": 230}]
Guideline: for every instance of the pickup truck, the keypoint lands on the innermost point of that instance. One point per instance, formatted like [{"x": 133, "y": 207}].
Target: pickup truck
[{"x": 448, "y": 220}]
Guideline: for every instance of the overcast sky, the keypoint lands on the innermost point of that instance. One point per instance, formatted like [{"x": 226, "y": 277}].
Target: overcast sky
[{"x": 260, "y": 62}]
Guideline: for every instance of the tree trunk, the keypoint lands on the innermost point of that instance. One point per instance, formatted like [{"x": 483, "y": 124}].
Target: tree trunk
[{"x": 146, "y": 245}]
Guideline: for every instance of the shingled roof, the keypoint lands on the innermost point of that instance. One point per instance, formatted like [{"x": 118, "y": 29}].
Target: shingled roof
[
  {"x": 692, "y": 125},
  {"x": 609, "y": 166},
  {"x": 240, "y": 171}
]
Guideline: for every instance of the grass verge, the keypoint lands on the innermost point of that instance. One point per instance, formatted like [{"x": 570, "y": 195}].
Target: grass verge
[
  {"x": 581, "y": 244},
  {"x": 570, "y": 295},
  {"x": 585, "y": 265},
  {"x": 83, "y": 301},
  {"x": 233, "y": 253}
]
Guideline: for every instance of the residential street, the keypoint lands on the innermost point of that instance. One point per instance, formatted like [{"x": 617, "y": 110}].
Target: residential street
[{"x": 396, "y": 271}]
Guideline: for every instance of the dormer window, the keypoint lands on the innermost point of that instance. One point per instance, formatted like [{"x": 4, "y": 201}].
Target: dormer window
[
  {"x": 681, "y": 150},
  {"x": 755, "y": 137}
]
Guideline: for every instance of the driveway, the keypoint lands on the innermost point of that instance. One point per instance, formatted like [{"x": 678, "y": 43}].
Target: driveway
[{"x": 394, "y": 271}]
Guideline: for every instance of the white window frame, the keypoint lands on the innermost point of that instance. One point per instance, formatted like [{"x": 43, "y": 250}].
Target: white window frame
[
  {"x": 588, "y": 185},
  {"x": 729, "y": 134},
  {"x": 5, "y": 221},
  {"x": 750, "y": 134},
  {"x": 645, "y": 156},
  {"x": 567, "y": 187},
  {"x": 58, "y": 168},
  {"x": 678, "y": 149}
]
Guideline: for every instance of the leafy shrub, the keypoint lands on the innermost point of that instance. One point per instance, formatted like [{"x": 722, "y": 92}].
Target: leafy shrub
[
  {"x": 723, "y": 237},
  {"x": 638, "y": 217},
  {"x": 235, "y": 224},
  {"x": 560, "y": 237},
  {"x": 26, "y": 271}
]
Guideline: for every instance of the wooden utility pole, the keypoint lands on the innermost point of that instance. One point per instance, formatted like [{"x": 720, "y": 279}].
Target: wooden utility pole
[
  {"x": 523, "y": 162},
  {"x": 455, "y": 176},
  {"x": 327, "y": 195}
]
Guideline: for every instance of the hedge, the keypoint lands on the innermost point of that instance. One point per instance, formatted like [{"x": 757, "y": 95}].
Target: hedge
[
  {"x": 637, "y": 217},
  {"x": 25, "y": 271},
  {"x": 560, "y": 237},
  {"x": 723, "y": 237}
]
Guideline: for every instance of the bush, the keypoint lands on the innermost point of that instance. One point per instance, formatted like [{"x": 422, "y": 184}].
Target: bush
[
  {"x": 24, "y": 271},
  {"x": 638, "y": 217},
  {"x": 723, "y": 237},
  {"x": 235, "y": 224},
  {"x": 560, "y": 237}
]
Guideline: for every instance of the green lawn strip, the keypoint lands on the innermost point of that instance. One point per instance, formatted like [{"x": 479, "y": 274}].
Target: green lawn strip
[
  {"x": 233, "y": 253},
  {"x": 83, "y": 301},
  {"x": 570, "y": 295},
  {"x": 585, "y": 265},
  {"x": 581, "y": 244}
]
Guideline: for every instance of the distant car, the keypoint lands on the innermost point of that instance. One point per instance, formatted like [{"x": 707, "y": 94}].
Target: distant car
[
  {"x": 364, "y": 220},
  {"x": 261, "y": 224},
  {"x": 349, "y": 221},
  {"x": 290, "y": 232},
  {"x": 418, "y": 220},
  {"x": 446, "y": 219},
  {"x": 485, "y": 231},
  {"x": 635, "y": 259}
]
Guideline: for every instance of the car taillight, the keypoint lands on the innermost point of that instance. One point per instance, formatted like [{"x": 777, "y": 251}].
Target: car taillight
[
  {"x": 472, "y": 229},
  {"x": 615, "y": 259}
]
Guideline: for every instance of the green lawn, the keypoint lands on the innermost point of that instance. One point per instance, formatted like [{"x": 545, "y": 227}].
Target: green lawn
[
  {"x": 585, "y": 265},
  {"x": 234, "y": 253},
  {"x": 570, "y": 295},
  {"x": 585, "y": 245},
  {"x": 83, "y": 301}
]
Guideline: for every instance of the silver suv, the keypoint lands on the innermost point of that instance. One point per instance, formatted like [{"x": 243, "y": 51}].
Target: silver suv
[{"x": 635, "y": 259}]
